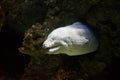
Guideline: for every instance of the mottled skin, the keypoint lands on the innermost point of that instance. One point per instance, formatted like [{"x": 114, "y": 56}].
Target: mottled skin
[{"x": 75, "y": 39}]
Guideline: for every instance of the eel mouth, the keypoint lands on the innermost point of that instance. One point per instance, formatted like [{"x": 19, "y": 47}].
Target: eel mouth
[{"x": 53, "y": 49}]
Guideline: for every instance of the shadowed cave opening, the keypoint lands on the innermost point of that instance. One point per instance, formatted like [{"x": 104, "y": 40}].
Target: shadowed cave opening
[{"x": 12, "y": 62}]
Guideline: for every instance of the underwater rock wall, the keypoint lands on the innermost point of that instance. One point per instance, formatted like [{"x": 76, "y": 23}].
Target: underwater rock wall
[
  {"x": 21, "y": 14},
  {"x": 36, "y": 18},
  {"x": 103, "y": 17}
]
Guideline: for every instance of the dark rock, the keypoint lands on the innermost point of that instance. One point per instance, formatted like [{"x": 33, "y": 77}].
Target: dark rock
[{"x": 101, "y": 15}]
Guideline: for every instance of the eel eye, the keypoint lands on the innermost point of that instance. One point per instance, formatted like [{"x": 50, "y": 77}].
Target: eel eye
[{"x": 52, "y": 39}]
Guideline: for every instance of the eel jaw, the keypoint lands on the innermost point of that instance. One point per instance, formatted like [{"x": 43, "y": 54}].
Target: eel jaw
[{"x": 54, "y": 49}]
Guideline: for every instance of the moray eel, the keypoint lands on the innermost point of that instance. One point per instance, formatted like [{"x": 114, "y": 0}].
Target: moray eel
[{"x": 72, "y": 40}]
